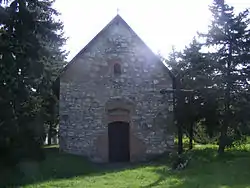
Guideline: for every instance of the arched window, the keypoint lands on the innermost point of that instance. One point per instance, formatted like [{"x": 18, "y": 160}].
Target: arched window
[{"x": 117, "y": 69}]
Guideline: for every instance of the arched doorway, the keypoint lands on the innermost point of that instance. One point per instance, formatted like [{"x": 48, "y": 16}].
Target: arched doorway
[{"x": 118, "y": 136}]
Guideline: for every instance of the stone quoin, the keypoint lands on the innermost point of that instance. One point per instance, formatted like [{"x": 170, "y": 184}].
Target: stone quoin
[{"x": 110, "y": 105}]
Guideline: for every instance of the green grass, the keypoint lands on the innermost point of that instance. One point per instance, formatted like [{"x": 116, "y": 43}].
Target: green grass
[{"x": 206, "y": 170}]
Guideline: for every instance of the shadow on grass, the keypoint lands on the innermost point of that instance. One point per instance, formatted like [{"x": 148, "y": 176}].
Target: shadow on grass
[
  {"x": 209, "y": 170},
  {"x": 59, "y": 165},
  {"x": 206, "y": 169}
]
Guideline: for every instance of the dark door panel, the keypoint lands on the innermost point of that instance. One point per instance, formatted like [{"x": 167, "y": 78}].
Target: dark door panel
[{"x": 118, "y": 133}]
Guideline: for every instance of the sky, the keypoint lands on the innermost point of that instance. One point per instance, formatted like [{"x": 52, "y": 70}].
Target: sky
[{"x": 160, "y": 23}]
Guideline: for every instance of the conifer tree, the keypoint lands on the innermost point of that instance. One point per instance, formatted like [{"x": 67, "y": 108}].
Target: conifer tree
[
  {"x": 31, "y": 41},
  {"x": 228, "y": 36}
]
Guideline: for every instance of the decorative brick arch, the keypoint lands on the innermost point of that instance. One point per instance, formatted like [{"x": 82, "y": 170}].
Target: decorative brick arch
[{"x": 119, "y": 109}]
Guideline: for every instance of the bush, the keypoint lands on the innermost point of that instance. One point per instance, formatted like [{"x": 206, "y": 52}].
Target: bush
[{"x": 179, "y": 161}]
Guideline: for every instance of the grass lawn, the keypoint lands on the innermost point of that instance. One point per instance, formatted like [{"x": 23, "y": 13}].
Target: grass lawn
[{"x": 206, "y": 170}]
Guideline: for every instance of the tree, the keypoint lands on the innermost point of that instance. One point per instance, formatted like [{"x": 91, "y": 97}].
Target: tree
[
  {"x": 175, "y": 72},
  {"x": 216, "y": 75},
  {"x": 227, "y": 36},
  {"x": 30, "y": 48},
  {"x": 198, "y": 74},
  {"x": 194, "y": 74}
]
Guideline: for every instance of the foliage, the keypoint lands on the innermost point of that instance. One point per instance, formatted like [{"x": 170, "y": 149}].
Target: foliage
[
  {"x": 31, "y": 52},
  {"x": 216, "y": 75},
  {"x": 228, "y": 34}
]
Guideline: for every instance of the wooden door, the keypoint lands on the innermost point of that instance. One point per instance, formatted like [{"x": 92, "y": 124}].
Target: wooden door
[{"x": 118, "y": 134}]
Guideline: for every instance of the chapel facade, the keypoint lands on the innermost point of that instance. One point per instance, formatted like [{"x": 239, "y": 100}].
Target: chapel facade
[{"x": 111, "y": 108}]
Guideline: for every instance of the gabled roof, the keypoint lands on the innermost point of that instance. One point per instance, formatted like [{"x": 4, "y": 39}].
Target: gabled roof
[{"x": 116, "y": 19}]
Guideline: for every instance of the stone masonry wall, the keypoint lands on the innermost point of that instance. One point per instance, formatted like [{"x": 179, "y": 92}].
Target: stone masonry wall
[{"x": 89, "y": 83}]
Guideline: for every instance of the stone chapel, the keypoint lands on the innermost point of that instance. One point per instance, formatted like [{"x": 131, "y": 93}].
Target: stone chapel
[{"x": 110, "y": 105}]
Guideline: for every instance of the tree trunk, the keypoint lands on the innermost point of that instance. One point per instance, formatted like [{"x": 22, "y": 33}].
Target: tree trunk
[
  {"x": 180, "y": 139},
  {"x": 223, "y": 132},
  {"x": 49, "y": 135},
  {"x": 191, "y": 135},
  {"x": 178, "y": 104},
  {"x": 222, "y": 141},
  {"x": 192, "y": 121},
  {"x": 223, "y": 136}
]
